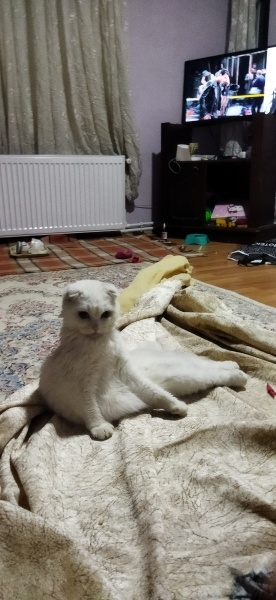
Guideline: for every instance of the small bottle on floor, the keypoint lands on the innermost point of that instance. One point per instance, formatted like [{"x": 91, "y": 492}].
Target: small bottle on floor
[{"x": 164, "y": 233}]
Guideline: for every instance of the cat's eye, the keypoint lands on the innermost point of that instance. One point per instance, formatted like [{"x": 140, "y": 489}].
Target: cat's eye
[
  {"x": 106, "y": 314},
  {"x": 83, "y": 314}
]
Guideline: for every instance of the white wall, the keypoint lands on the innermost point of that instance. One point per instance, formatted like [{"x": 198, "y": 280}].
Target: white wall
[
  {"x": 272, "y": 24},
  {"x": 162, "y": 35}
]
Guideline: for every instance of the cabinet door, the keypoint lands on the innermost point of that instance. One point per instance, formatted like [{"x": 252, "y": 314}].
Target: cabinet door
[
  {"x": 263, "y": 170},
  {"x": 184, "y": 202}
]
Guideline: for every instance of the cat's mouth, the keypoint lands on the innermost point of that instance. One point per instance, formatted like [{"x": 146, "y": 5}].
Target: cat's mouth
[{"x": 91, "y": 332}]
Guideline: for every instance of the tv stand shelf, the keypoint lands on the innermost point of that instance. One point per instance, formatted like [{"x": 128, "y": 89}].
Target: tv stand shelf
[{"x": 190, "y": 188}]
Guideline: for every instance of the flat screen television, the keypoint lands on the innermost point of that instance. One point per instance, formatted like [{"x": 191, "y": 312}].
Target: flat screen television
[{"x": 229, "y": 86}]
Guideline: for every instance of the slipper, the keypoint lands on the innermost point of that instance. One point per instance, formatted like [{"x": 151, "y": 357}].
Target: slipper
[{"x": 123, "y": 254}]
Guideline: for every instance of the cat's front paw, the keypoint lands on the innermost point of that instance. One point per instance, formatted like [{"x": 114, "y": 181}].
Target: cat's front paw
[
  {"x": 180, "y": 409},
  {"x": 102, "y": 432}
]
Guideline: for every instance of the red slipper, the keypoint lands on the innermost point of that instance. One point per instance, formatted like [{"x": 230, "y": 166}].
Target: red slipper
[{"x": 123, "y": 254}]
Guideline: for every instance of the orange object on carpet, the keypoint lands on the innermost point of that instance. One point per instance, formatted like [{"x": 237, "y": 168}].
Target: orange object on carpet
[{"x": 68, "y": 252}]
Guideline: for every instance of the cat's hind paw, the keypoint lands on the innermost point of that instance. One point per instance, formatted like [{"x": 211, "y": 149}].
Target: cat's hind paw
[
  {"x": 237, "y": 379},
  {"x": 230, "y": 365},
  {"x": 102, "y": 432}
]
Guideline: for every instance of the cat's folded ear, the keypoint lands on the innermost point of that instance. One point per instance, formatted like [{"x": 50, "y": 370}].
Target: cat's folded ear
[
  {"x": 111, "y": 290},
  {"x": 71, "y": 293}
]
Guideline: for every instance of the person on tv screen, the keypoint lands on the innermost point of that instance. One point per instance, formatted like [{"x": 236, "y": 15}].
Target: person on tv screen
[
  {"x": 249, "y": 78},
  {"x": 257, "y": 87},
  {"x": 223, "y": 81},
  {"x": 207, "y": 93}
]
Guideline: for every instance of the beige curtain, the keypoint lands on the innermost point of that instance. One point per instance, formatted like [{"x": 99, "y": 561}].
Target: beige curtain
[
  {"x": 243, "y": 25},
  {"x": 242, "y": 34},
  {"x": 64, "y": 80}
]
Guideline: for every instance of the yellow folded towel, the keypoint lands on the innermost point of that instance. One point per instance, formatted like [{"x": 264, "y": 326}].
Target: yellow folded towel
[{"x": 169, "y": 267}]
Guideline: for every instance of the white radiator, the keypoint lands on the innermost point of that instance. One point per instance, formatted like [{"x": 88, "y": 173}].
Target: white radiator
[{"x": 59, "y": 194}]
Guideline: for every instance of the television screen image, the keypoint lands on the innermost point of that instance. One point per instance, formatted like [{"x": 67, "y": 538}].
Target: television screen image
[{"x": 230, "y": 86}]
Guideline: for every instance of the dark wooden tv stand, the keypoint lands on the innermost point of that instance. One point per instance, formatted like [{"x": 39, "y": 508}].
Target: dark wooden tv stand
[{"x": 189, "y": 188}]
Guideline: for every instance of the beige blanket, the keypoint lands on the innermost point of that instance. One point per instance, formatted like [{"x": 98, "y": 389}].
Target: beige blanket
[{"x": 163, "y": 508}]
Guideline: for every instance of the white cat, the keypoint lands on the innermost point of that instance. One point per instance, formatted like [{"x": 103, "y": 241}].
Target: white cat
[{"x": 91, "y": 378}]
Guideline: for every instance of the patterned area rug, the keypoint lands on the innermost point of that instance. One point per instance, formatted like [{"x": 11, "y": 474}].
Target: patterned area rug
[
  {"x": 68, "y": 252},
  {"x": 30, "y": 323}
]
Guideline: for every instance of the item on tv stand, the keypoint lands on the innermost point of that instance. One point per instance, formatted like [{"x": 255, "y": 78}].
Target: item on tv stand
[
  {"x": 230, "y": 222},
  {"x": 182, "y": 153},
  {"x": 237, "y": 222},
  {"x": 224, "y": 211},
  {"x": 233, "y": 149},
  {"x": 208, "y": 214},
  {"x": 193, "y": 147},
  {"x": 221, "y": 222},
  {"x": 203, "y": 157}
]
